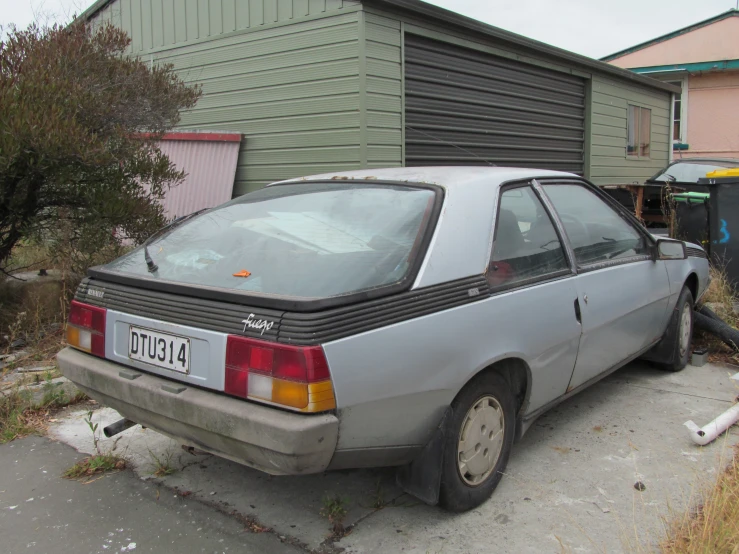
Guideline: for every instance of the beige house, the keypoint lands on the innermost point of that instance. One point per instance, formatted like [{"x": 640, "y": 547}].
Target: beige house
[{"x": 703, "y": 60}]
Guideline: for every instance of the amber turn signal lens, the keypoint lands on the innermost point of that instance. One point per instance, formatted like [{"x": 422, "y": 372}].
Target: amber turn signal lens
[
  {"x": 79, "y": 338},
  {"x": 321, "y": 397},
  {"x": 290, "y": 393}
]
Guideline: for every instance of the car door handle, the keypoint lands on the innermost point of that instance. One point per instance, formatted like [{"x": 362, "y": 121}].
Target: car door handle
[{"x": 578, "y": 313}]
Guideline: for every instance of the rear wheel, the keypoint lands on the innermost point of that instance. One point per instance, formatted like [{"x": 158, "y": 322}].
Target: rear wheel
[{"x": 478, "y": 444}]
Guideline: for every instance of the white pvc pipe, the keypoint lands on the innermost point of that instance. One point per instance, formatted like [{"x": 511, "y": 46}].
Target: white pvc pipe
[{"x": 708, "y": 433}]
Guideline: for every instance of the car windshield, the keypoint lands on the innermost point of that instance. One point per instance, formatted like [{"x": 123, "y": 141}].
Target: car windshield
[
  {"x": 309, "y": 240},
  {"x": 690, "y": 172}
]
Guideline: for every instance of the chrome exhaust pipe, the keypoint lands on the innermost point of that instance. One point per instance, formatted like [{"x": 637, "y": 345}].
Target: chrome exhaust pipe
[{"x": 118, "y": 427}]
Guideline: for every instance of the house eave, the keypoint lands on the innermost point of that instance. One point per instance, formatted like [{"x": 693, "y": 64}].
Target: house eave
[
  {"x": 699, "y": 67},
  {"x": 423, "y": 9},
  {"x": 669, "y": 36}
]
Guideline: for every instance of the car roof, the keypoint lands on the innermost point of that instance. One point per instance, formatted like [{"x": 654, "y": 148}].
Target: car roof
[
  {"x": 445, "y": 176},
  {"x": 467, "y": 217}
]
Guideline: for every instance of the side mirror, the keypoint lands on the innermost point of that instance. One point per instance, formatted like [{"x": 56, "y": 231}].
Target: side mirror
[{"x": 671, "y": 250}]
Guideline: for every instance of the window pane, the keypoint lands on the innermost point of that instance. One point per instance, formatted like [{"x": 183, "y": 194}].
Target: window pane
[
  {"x": 597, "y": 233},
  {"x": 526, "y": 244},
  {"x": 676, "y": 119},
  {"x": 645, "y": 131},
  {"x": 633, "y": 128},
  {"x": 308, "y": 240},
  {"x": 677, "y": 109}
]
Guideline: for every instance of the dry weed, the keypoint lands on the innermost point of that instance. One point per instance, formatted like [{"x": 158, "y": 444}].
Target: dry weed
[
  {"x": 721, "y": 298},
  {"x": 712, "y": 527}
]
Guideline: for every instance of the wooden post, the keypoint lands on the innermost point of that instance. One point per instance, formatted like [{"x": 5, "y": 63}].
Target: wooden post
[{"x": 639, "y": 203}]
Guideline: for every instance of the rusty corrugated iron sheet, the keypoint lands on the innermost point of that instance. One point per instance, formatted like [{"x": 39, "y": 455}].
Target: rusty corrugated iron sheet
[{"x": 209, "y": 159}]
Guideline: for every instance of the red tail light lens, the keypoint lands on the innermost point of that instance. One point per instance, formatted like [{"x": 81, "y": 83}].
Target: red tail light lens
[
  {"x": 86, "y": 328},
  {"x": 293, "y": 376},
  {"x": 306, "y": 364}
]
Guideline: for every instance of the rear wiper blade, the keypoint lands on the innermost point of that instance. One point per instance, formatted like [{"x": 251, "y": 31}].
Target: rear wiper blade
[{"x": 151, "y": 266}]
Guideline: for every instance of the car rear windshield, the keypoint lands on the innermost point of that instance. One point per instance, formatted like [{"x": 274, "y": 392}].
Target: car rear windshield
[{"x": 311, "y": 240}]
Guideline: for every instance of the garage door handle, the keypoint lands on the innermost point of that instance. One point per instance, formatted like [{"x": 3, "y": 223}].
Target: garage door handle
[{"x": 578, "y": 314}]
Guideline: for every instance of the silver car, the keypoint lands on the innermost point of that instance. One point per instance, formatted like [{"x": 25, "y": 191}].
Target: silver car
[{"x": 417, "y": 317}]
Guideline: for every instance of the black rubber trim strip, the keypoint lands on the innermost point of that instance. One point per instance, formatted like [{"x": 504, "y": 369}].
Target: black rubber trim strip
[
  {"x": 305, "y": 329},
  {"x": 277, "y": 302},
  {"x": 289, "y": 327},
  {"x": 613, "y": 263},
  {"x": 212, "y": 315}
]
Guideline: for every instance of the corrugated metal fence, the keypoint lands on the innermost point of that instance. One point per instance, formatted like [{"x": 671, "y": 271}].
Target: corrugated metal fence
[{"x": 209, "y": 160}]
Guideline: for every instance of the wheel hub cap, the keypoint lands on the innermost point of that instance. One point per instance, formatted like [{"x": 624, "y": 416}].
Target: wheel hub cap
[
  {"x": 685, "y": 321},
  {"x": 480, "y": 440}
]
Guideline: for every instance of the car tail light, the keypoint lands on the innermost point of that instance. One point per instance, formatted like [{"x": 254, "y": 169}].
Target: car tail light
[
  {"x": 86, "y": 328},
  {"x": 293, "y": 376}
]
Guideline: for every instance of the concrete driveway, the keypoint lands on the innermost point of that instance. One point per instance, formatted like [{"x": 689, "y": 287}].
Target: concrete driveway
[
  {"x": 42, "y": 513},
  {"x": 569, "y": 487}
]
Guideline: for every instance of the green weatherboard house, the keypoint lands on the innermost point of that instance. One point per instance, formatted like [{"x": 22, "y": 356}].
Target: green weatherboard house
[{"x": 325, "y": 85}]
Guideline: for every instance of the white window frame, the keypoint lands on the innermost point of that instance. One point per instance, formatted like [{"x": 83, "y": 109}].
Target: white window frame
[{"x": 683, "y": 83}]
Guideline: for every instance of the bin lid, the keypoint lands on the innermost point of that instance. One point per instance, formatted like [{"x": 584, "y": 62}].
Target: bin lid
[
  {"x": 691, "y": 197},
  {"x": 730, "y": 172}
]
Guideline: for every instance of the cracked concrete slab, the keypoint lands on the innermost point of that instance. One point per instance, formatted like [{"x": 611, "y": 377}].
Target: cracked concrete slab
[
  {"x": 290, "y": 505},
  {"x": 41, "y": 512},
  {"x": 569, "y": 484}
]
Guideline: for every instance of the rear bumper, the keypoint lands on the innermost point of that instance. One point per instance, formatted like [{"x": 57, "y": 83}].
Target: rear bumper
[{"x": 268, "y": 439}]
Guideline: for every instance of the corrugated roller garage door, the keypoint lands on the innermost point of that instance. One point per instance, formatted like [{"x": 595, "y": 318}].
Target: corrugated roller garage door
[{"x": 464, "y": 107}]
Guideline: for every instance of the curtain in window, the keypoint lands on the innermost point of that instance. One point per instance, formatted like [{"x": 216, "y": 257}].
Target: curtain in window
[{"x": 645, "y": 131}]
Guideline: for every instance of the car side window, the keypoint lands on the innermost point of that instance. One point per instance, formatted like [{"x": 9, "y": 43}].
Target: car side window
[
  {"x": 596, "y": 231},
  {"x": 526, "y": 244}
]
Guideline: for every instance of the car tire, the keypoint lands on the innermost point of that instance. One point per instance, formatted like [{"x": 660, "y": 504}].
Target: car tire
[
  {"x": 681, "y": 327},
  {"x": 483, "y": 425}
]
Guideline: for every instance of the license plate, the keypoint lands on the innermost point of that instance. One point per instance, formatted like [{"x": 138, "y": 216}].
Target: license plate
[{"x": 159, "y": 349}]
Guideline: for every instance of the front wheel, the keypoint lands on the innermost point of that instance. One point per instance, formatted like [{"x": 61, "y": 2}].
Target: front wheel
[
  {"x": 478, "y": 443},
  {"x": 681, "y": 325}
]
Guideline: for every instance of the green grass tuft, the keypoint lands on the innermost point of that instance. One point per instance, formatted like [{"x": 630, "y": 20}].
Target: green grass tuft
[{"x": 100, "y": 463}]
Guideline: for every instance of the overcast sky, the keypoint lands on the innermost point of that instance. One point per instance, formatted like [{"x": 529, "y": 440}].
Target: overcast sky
[{"x": 591, "y": 27}]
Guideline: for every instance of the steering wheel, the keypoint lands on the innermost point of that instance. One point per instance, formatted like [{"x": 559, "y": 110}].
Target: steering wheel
[{"x": 575, "y": 227}]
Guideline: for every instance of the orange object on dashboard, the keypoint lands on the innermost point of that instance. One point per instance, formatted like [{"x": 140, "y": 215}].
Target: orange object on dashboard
[{"x": 242, "y": 273}]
